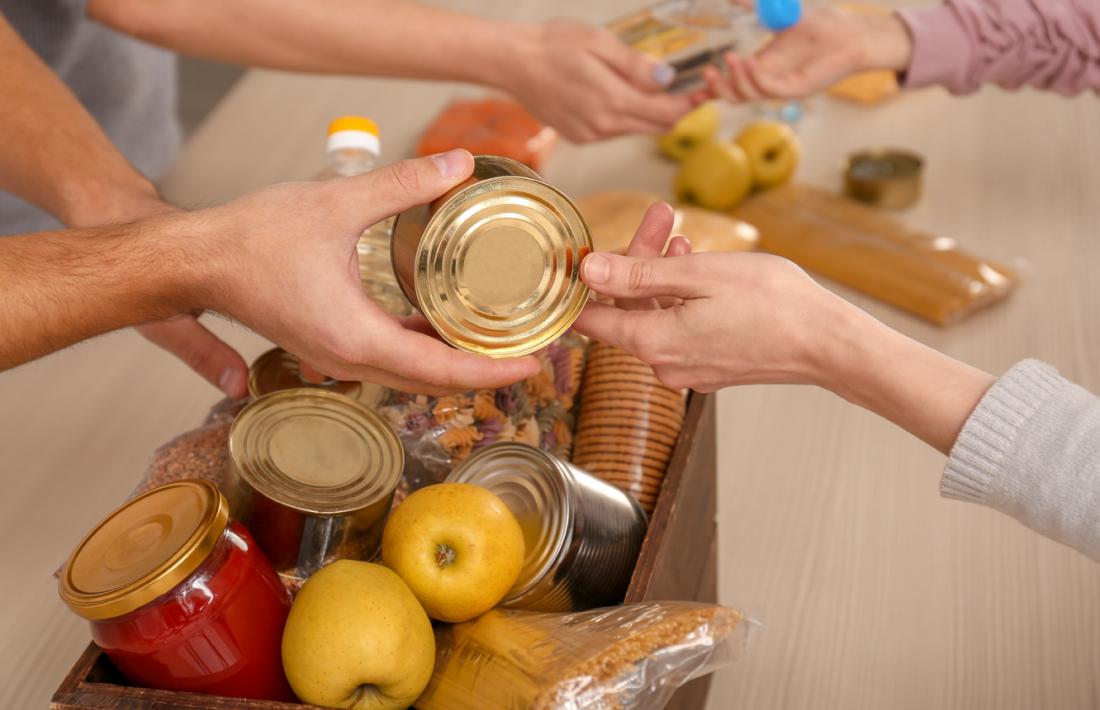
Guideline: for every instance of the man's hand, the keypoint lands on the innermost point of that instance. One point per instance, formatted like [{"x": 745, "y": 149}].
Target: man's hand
[
  {"x": 283, "y": 261},
  {"x": 587, "y": 84},
  {"x": 825, "y": 46}
]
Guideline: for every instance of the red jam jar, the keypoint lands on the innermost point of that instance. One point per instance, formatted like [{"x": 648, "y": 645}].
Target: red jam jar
[{"x": 180, "y": 597}]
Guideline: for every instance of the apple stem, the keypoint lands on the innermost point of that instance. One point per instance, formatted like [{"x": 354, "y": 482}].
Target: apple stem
[{"x": 444, "y": 555}]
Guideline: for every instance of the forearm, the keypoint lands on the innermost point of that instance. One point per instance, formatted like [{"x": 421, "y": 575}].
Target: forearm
[
  {"x": 922, "y": 391},
  {"x": 52, "y": 152},
  {"x": 376, "y": 37},
  {"x": 58, "y": 288},
  {"x": 962, "y": 44}
]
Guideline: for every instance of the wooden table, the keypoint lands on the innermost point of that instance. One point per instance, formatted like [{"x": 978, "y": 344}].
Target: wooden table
[{"x": 874, "y": 592}]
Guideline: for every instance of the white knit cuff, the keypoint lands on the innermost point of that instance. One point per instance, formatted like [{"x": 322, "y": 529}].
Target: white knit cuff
[{"x": 993, "y": 428}]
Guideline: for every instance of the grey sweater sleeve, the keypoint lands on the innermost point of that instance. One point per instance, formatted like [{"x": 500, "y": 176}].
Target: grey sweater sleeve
[{"x": 1031, "y": 449}]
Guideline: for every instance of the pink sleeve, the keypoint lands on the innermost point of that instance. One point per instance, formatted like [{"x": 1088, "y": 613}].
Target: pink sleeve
[{"x": 1048, "y": 44}]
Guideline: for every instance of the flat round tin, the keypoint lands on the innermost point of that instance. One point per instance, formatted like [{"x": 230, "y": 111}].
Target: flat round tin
[
  {"x": 886, "y": 178},
  {"x": 316, "y": 452},
  {"x": 277, "y": 370}
]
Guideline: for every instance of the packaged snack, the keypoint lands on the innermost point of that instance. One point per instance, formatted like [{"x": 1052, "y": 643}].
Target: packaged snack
[
  {"x": 490, "y": 126},
  {"x": 859, "y": 246},
  {"x": 630, "y": 657}
]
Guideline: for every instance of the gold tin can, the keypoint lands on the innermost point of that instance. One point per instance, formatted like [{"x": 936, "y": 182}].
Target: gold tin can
[
  {"x": 494, "y": 264},
  {"x": 582, "y": 535},
  {"x": 885, "y": 178},
  {"x": 312, "y": 476},
  {"x": 277, "y": 370}
]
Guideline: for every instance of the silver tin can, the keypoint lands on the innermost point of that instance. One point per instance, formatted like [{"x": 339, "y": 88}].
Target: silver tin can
[{"x": 582, "y": 535}]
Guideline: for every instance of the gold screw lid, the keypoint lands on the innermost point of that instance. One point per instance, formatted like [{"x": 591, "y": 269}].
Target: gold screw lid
[
  {"x": 144, "y": 549},
  {"x": 277, "y": 370},
  {"x": 498, "y": 266},
  {"x": 314, "y": 451}
]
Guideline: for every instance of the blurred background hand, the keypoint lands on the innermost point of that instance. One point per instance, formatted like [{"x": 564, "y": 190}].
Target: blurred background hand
[{"x": 827, "y": 45}]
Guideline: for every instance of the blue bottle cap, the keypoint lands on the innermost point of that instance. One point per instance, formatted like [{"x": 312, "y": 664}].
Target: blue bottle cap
[{"x": 778, "y": 15}]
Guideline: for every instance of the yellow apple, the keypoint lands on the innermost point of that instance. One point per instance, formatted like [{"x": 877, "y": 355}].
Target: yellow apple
[
  {"x": 716, "y": 176},
  {"x": 693, "y": 130},
  {"x": 458, "y": 547},
  {"x": 357, "y": 638},
  {"x": 773, "y": 151}
]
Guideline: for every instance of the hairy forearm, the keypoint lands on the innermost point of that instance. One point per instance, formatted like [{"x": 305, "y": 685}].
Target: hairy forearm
[
  {"x": 52, "y": 152},
  {"x": 375, "y": 37},
  {"x": 58, "y": 288},
  {"x": 923, "y": 391}
]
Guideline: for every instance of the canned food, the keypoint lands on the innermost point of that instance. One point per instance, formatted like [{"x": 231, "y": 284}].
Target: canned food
[
  {"x": 582, "y": 535},
  {"x": 277, "y": 370},
  {"x": 884, "y": 178},
  {"x": 494, "y": 264},
  {"x": 313, "y": 475}
]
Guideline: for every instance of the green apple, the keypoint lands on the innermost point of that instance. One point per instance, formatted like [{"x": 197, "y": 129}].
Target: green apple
[
  {"x": 696, "y": 128},
  {"x": 357, "y": 638},
  {"x": 773, "y": 150},
  {"x": 458, "y": 547},
  {"x": 716, "y": 176}
]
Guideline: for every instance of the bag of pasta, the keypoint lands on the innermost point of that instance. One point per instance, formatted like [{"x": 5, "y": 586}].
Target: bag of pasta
[{"x": 631, "y": 657}]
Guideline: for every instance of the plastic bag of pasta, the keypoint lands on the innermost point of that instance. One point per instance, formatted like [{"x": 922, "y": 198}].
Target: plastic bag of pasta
[
  {"x": 439, "y": 432},
  {"x": 630, "y": 657}
]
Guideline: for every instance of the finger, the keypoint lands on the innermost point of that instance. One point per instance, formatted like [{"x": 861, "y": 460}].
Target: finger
[
  {"x": 739, "y": 77},
  {"x": 419, "y": 324},
  {"x": 678, "y": 246},
  {"x": 311, "y": 374},
  {"x": 651, "y": 235},
  {"x": 202, "y": 351},
  {"x": 660, "y": 110},
  {"x": 392, "y": 189},
  {"x": 644, "y": 73},
  {"x": 617, "y": 327},
  {"x": 719, "y": 86},
  {"x": 626, "y": 277}
]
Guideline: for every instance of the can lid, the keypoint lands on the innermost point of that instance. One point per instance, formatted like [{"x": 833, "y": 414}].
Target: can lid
[
  {"x": 498, "y": 266},
  {"x": 353, "y": 132},
  {"x": 534, "y": 488},
  {"x": 144, "y": 549},
  {"x": 317, "y": 452},
  {"x": 277, "y": 370}
]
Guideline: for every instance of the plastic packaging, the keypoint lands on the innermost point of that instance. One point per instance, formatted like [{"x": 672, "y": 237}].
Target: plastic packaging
[
  {"x": 438, "y": 433},
  {"x": 859, "y": 246},
  {"x": 631, "y": 657},
  {"x": 490, "y": 126},
  {"x": 629, "y": 424}
]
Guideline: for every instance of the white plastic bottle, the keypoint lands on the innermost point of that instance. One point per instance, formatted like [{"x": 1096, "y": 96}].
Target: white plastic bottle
[{"x": 353, "y": 148}]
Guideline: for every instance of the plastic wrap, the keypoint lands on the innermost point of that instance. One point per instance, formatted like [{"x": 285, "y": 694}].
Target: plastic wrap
[
  {"x": 490, "y": 126},
  {"x": 872, "y": 252},
  {"x": 631, "y": 657},
  {"x": 440, "y": 432},
  {"x": 629, "y": 423}
]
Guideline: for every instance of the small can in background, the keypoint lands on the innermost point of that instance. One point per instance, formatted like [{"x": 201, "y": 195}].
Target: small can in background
[
  {"x": 494, "y": 264},
  {"x": 277, "y": 370},
  {"x": 890, "y": 179},
  {"x": 312, "y": 476},
  {"x": 582, "y": 535}
]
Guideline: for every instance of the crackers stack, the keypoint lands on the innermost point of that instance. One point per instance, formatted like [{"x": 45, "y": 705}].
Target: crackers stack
[{"x": 628, "y": 425}]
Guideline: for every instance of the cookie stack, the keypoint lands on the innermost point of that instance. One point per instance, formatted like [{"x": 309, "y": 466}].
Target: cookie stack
[{"x": 628, "y": 425}]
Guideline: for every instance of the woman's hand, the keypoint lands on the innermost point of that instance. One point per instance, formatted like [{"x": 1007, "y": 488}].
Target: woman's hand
[
  {"x": 827, "y": 45},
  {"x": 584, "y": 82}
]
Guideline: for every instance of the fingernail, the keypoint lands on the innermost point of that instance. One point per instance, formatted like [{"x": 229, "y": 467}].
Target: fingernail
[
  {"x": 450, "y": 164},
  {"x": 597, "y": 269},
  {"x": 663, "y": 74},
  {"x": 227, "y": 382}
]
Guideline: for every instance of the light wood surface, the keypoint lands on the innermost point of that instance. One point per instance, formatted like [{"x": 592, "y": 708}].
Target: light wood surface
[{"x": 873, "y": 592}]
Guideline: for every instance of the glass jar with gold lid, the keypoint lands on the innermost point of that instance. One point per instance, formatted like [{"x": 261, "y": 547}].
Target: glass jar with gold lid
[
  {"x": 180, "y": 597},
  {"x": 313, "y": 475}
]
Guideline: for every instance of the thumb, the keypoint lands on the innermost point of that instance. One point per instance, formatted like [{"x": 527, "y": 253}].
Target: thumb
[
  {"x": 406, "y": 183},
  {"x": 641, "y": 70},
  {"x": 627, "y": 277}
]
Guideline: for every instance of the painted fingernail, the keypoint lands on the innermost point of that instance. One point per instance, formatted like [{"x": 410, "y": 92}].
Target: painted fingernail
[
  {"x": 451, "y": 164},
  {"x": 597, "y": 269},
  {"x": 662, "y": 74}
]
